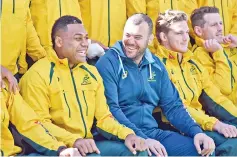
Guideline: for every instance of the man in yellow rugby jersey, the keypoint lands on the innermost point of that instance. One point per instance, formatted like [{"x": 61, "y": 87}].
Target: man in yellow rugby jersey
[
  {"x": 213, "y": 50},
  {"x": 17, "y": 115}
]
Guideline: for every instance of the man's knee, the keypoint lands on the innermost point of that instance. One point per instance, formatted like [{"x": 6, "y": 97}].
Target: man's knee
[
  {"x": 143, "y": 153},
  {"x": 93, "y": 154},
  {"x": 224, "y": 146},
  {"x": 179, "y": 145},
  {"x": 227, "y": 148}
]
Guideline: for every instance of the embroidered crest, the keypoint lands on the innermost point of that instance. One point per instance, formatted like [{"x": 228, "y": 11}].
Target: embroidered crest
[
  {"x": 193, "y": 70},
  {"x": 233, "y": 52},
  {"x": 86, "y": 80}
]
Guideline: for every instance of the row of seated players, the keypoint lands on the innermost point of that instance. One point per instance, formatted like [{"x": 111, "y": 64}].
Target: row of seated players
[{"x": 223, "y": 113}]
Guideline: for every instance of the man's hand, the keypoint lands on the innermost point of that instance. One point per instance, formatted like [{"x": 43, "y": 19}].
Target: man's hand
[
  {"x": 69, "y": 152},
  {"x": 156, "y": 148},
  {"x": 13, "y": 84},
  {"x": 86, "y": 146},
  {"x": 95, "y": 50},
  {"x": 212, "y": 45},
  {"x": 227, "y": 130},
  {"x": 207, "y": 142},
  {"x": 135, "y": 143},
  {"x": 231, "y": 40}
]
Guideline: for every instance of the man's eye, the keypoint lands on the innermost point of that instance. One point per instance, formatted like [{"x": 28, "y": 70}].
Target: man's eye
[
  {"x": 214, "y": 24},
  {"x": 78, "y": 38},
  {"x": 137, "y": 38}
]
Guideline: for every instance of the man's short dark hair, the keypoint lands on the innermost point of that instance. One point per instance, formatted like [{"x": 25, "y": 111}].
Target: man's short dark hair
[
  {"x": 197, "y": 16},
  {"x": 138, "y": 18},
  {"x": 62, "y": 23}
]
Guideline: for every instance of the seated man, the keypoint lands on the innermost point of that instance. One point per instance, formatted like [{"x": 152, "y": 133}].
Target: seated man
[
  {"x": 192, "y": 81},
  {"x": 136, "y": 82},
  {"x": 15, "y": 113},
  {"x": 68, "y": 94},
  {"x": 213, "y": 50}
]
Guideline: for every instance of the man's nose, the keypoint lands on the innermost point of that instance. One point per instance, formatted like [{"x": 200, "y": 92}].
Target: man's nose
[
  {"x": 131, "y": 40},
  {"x": 85, "y": 42},
  {"x": 220, "y": 27}
]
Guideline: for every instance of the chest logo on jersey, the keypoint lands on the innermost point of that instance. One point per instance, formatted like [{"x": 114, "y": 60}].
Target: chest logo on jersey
[
  {"x": 193, "y": 70},
  {"x": 233, "y": 51},
  {"x": 86, "y": 80},
  {"x": 152, "y": 77}
]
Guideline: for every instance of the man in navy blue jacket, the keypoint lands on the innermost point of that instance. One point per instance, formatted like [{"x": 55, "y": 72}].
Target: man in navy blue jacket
[{"x": 136, "y": 82}]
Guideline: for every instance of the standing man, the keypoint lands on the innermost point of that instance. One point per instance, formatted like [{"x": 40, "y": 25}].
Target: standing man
[
  {"x": 68, "y": 94},
  {"x": 136, "y": 82},
  {"x": 19, "y": 36}
]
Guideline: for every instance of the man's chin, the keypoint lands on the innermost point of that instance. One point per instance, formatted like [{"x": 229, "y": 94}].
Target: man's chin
[
  {"x": 129, "y": 53},
  {"x": 220, "y": 41},
  {"x": 81, "y": 61},
  {"x": 183, "y": 50}
]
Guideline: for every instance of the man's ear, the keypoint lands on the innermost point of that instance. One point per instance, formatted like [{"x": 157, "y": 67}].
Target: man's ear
[
  {"x": 198, "y": 31},
  {"x": 58, "y": 41},
  {"x": 150, "y": 40},
  {"x": 163, "y": 37}
]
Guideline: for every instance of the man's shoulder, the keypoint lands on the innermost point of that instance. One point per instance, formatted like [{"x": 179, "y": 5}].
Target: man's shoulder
[
  {"x": 157, "y": 62},
  {"x": 41, "y": 67},
  {"x": 111, "y": 54},
  {"x": 157, "y": 59},
  {"x": 89, "y": 68},
  {"x": 199, "y": 50}
]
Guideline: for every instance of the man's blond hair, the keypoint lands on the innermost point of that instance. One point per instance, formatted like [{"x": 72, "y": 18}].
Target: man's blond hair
[{"x": 165, "y": 20}]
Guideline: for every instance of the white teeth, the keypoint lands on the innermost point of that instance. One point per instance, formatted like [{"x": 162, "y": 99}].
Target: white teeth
[{"x": 131, "y": 48}]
